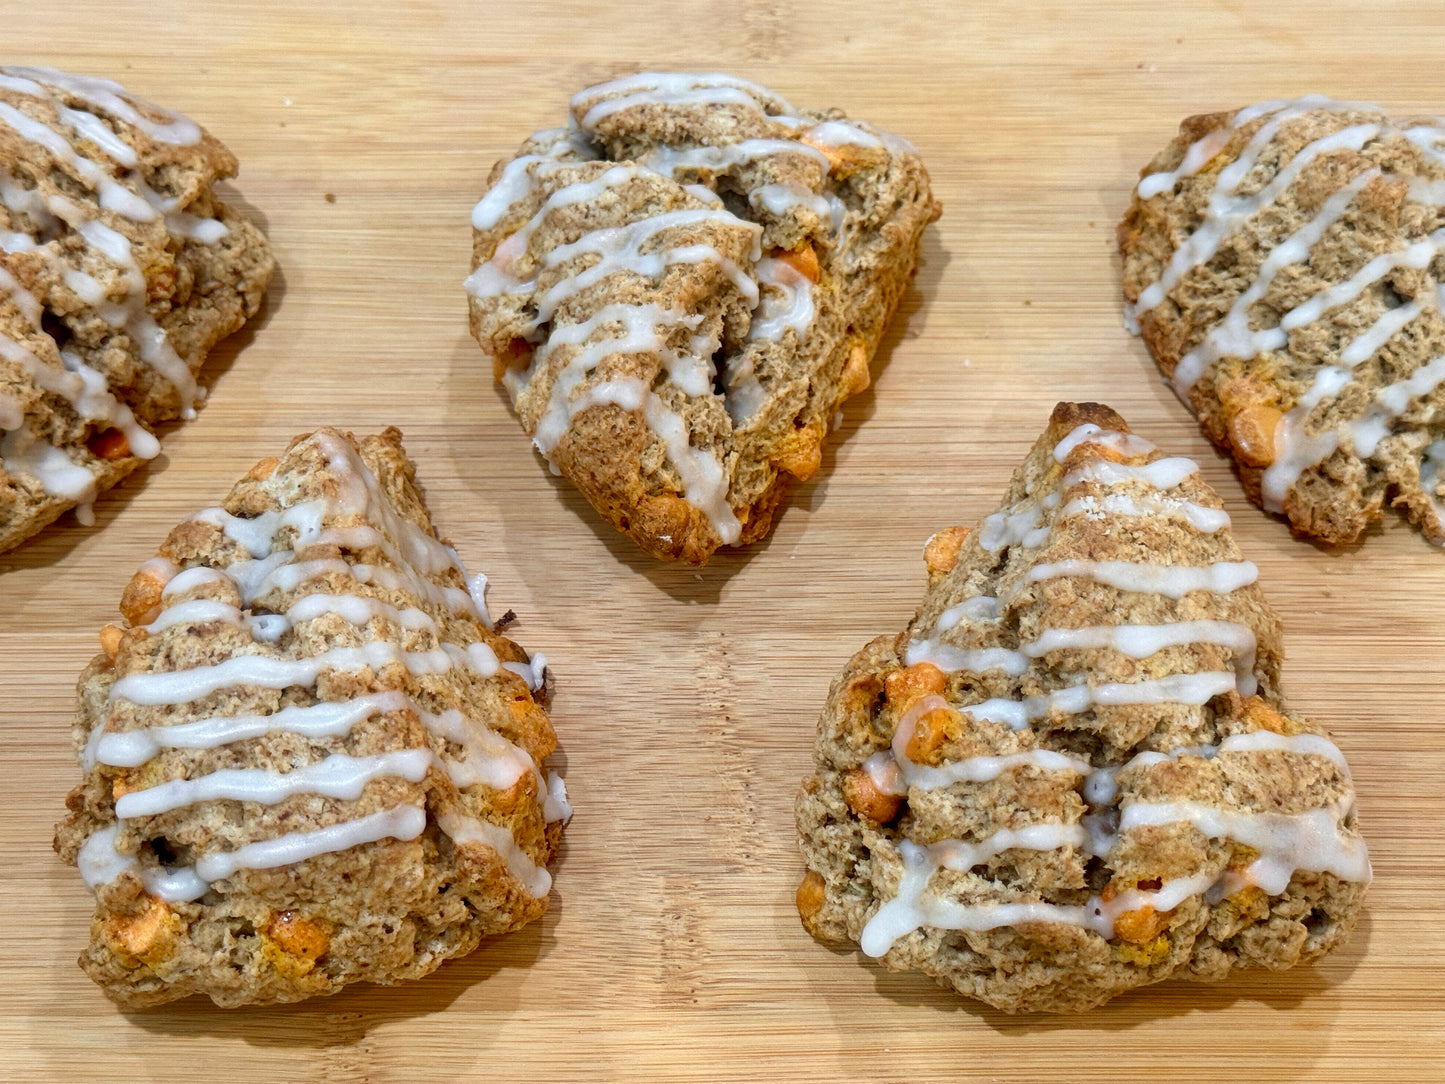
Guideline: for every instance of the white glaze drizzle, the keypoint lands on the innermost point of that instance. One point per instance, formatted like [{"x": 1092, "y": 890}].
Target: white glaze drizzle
[
  {"x": 486, "y": 757},
  {"x": 112, "y": 98},
  {"x": 951, "y": 659},
  {"x": 641, "y": 332},
  {"x": 1141, "y": 641},
  {"x": 1128, "y": 444},
  {"x": 132, "y": 748},
  {"x": 464, "y": 829},
  {"x": 338, "y": 776},
  {"x": 101, "y": 863},
  {"x": 1136, "y": 641},
  {"x": 1163, "y": 473},
  {"x": 775, "y": 199},
  {"x": 913, "y": 907},
  {"x": 620, "y": 250},
  {"x": 1002, "y": 529},
  {"x": 88, "y": 394},
  {"x": 1172, "y": 581},
  {"x": 673, "y": 88},
  {"x": 1232, "y": 334},
  {"x": 977, "y": 769},
  {"x": 85, "y": 388},
  {"x": 1201, "y": 517},
  {"x": 1226, "y": 209},
  {"x": 1297, "y": 449},
  {"x": 1313, "y": 840},
  {"x": 784, "y": 301}
]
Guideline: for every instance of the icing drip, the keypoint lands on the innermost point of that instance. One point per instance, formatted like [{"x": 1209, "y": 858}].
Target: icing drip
[
  {"x": 673, "y": 88},
  {"x": 620, "y": 249},
  {"x": 787, "y": 302},
  {"x": 110, "y": 98},
  {"x": 1202, "y": 518},
  {"x": 1123, "y": 443},
  {"x": 913, "y": 907},
  {"x": 1141, "y": 641},
  {"x": 1172, "y": 581},
  {"x": 979, "y": 769},
  {"x": 640, "y": 327},
  {"x": 705, "y": 483},
  {"x": 1011, "y": 529},
  {"x": 950, "y": 659},
  {"x": 338, "y": 776},
  {"x": 1160, "y": 474},
  {"x": 101, "y": 863},
  {"x": 679, "y": 163}
]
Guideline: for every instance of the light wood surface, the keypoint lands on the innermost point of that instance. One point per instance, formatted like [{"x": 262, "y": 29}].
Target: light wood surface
[{"x": 687, "y": 700}]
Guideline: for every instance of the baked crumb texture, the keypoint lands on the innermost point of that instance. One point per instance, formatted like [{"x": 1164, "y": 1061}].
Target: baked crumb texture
[
  {"x": 1074, "y": 772},
  {"x": 1284, "y": 266},
  {"x": 680, "y": 289},
  {"x": 308, "y": 758},
  {"x": 119, "y": 270}
]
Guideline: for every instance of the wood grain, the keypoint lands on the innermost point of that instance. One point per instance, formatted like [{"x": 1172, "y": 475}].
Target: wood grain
[{"x": 687, "y": 699}]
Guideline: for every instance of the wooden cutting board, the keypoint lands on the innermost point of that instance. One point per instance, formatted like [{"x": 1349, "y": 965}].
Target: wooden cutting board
[{"x": 687, "y": 699}]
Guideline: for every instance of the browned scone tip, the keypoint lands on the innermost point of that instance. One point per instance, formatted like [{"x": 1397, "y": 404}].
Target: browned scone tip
[
  {"x": 308, "y": 757},
  {"x": 119, "y": 270},
  {"x": 1074, "y": 773},
  {"x": 680, "y": 289},
  {"x": 1283, "y": 264}
]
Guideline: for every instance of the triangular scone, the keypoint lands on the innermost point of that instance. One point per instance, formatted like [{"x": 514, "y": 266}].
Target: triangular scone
[
  {"x": 1283, "y": 263},
  {"x": 309, "y": 757},
  {"x": 1074, "y": 773},
  {"x": 681, "y": 289},
  {"x": 119, "y": 270}
]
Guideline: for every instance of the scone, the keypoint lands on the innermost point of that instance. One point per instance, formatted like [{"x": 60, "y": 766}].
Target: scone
[
  {"x": 309, "y": 757},
  {"x": 1283, "y": 264},
  {"x": 681, "y": 288},
  {"x": 119, "y": 270},
  {"x": 1074, "y": 772}
]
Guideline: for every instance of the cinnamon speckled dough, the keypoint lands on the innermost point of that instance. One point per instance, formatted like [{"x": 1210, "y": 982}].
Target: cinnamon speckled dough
[
  {"x": 1283, "y": 265},
  {"x": 119, "y": 270},
  {"x": 1074, "y": 772},
  {"x": 309, "y": 757},
  {"x": 681, "y": 289}
]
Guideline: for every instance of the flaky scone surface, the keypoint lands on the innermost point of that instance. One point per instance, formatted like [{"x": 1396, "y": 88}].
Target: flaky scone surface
[
  {"x": 680, "y": 289},
  {"x": 1074, "y": 773},
  {"x": 119, "y": 270},
  {"x": 309, "y": 758},
  {"x": 1284, "y": 266}
]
